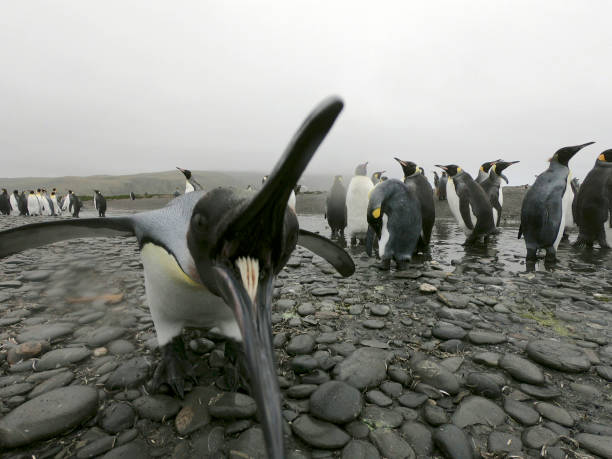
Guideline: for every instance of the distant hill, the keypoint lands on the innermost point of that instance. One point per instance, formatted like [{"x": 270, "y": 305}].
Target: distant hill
[{"x": 155, "y": 182}]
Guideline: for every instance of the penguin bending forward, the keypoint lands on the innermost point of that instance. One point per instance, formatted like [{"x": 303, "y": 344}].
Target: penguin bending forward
[
  {"x": 394, "y": 214},
  {"x": 210, "y": 261},
  {"x": 593, "y": 202},
  {"x": 419, "y": 185},
  {"x": 357, "y": 203},
  {"x": 544, "y": 207},
  {"x": 335, "y": 211},
  {"x": 469, "y": 204},
  {"x": 492, "y": 187}
]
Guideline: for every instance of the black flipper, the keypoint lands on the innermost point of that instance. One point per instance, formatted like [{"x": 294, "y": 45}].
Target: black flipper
[
  {"x": 520, "y": 231},
  {"x": 464, "y": 208},
  {"x": 26, "y": 237},
  {"x": 326, "y": 249}
]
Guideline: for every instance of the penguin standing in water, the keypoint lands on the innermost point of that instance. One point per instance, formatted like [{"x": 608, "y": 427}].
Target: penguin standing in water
[
  {"x": 545, "y": 205},
  {"x": 469, "y": 204},
  {"x": 593, "y": 202},
  {"x": 357, "y": 203},
  {"x": 23, "y": 204},
  {"x": 336, "y": 208},
  {"x": 420, "y": 187},
  {"x": 191, "y": 184},
  {"x": 14, "y": 202},
  {"x": 492, "y": 187},
  {"x": 442, "y": 186},
  {"x": 5, "y": 204},
  {"x": 394, "y": 213},
  {"x": 377, "y": 177},
  {"x": 484, "y": 170},
  {"x": 33, "y": 204},
  {"x": 100, "y": 203},
  {"x": 210, "y": 261}
]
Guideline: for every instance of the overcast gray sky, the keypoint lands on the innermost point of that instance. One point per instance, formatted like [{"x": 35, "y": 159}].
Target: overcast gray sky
[{"x": 114, "y": 87}]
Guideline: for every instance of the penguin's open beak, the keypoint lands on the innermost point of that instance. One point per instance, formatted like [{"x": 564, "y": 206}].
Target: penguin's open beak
[
  {"x": 441, "y": 167},
  {"x": 243, "y": 253}
]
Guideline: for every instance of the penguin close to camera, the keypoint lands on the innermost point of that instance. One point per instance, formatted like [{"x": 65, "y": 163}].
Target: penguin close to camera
[
  {"x": 357, "y": 204},
  {"x": 492, "y": 187},
  {"x": 545, "y": 206},
  {"x": 210, "y": 261},
  {"x": 394, "y": 214},
  {"x": 99, "y": 203},
  {"x": 469, "y": 204},
  {"x": 335, "y": 211},
  {"x": 420, "y": 186},
  {"x": 593, "y": 202}
]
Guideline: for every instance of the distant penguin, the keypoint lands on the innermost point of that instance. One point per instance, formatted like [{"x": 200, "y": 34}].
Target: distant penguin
[
  {"x": 48, "y": 208},
  {"x": 75, "y": 205},
  {"x": 5, "y": 204},
  {"x": 99, "y": 203},
  {"x": 132, "y": 196},
  {"x": 191, "y": 184},
  {"x": 250, "y": 188},
  {"x": 33, "y": 204},
  {"x": 394, "y": 213},
  {"x": 483, "y": 172},
  {"x": 23, "y": 204},
  {"x": 436, "y": 181},
  {"x": 377, "y": 177},
  {"x": 420, "y": 186},
  {"x": 469, "y": 204},
  {"x": 56, "y": 207},
  {"x": 593, "y": 203},
  {"x": 357, "y": 204},
  {"x": 442, "y": 186},
  {"x": 14, "y": 202},
  {"x": 544, "y": 208},
  {"x": 41, "y": 202},
  {"x": 66, "y": 202},
  {"x": 336, "y": 208},
  {"x": 492, "y": 187}
]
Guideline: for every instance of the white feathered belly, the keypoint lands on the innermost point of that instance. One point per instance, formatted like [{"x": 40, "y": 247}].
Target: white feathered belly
[
  {"x": 384, "y": 237},
  {"x": 566, "y": 210},
  {"x": 357, "y": 198},
  {"x": 176, "y": 301},
  {"x": 453, "y": 202}
]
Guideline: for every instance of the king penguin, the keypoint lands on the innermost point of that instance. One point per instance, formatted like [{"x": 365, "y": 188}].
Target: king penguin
[
  {"x": 191, "y": 184},
  {"x": 336, "y": 208},
  {"x": 377, "y": 177},
  {"x": 210, "y": 261},
  {"x": 99, "y": 203},
  {"x": 544, "y": 207},
  {"x": 23, "y": 204},
  {"x": 593, "y": 202},
  {"x": 33, "y": 204},
  {"x": 421, "y": 188},
  {"x": 357, "y": 203},
  {"x": 394, "y": 214},
  {"x": 484, "y": 170},
  {"x": 56, "y": 206},
  {"x": 492, "y": 187},
  {"x": 5, "y": 204},
  {"x": 442, "y": 186},
  {"x": 14, "y": 201},
  {"x": 469, "y": 204}
]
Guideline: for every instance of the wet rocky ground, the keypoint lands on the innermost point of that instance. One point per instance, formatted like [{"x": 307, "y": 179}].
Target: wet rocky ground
[{"x": 462, "y": 356}]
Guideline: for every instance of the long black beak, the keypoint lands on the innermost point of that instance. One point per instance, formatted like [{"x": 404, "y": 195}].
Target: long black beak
[{"x": 441, "y": 167}]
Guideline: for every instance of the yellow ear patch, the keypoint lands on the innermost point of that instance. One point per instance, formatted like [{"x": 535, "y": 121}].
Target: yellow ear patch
[
  {"x": 376, "y": 213},
  {"x": 458, "y": 170},
  {"x": 601, "y": 157},
  {"x": 482, "y": 168}
]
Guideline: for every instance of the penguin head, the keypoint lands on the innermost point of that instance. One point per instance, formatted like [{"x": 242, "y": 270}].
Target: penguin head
[
  {"x": 563, "y": 155},
  {"x": 362, "y": 169},
  {"x": 31, "y": 191},
  {"x": 186, "y": 172},
  {"x": 338, "y": 179},
  {"x": 15, "y": 192},
  {"x": 485, "y": 167},
  {"x": 376, "y": 176},
  {"x": 263, "y": 179},
  {"x": 408, "y": 167},
  {"x": 451, "y": 169},
  {"x": 384, "y": 178},
  {"x": 500, "y": 166},
  {"x": 605, "y": 156}
]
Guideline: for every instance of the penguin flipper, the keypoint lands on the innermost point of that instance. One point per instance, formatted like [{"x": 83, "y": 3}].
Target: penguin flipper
[
  {"x": 26, "y": 237},
  {"x": 326, "y": 249},
  {"x": 464, "y": 208}
]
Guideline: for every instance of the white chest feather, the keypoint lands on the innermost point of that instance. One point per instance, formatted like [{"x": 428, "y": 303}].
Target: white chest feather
[
  {"x": 357, "y": 198},
  {"x": 189, "y": 187},
  {"x": 566, "y": 209},
  {"x": 384, "y": 237},
  {"x": 453, "y": 204}
]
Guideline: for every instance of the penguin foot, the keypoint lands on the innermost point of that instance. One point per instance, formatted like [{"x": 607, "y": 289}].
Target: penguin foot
[
  {"x": 581, "y": 243},
  {"x": 402, "y": 265},
  {"x": 174, "y": 369},
  {"x": 235, "y": 375},
  {"x": 384, "y": 265}
]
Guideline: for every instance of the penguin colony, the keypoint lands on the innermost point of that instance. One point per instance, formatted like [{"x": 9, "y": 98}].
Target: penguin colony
[{"x": 210, "y": 258}]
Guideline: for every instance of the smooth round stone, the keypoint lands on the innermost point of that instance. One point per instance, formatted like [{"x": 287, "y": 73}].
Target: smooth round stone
[
  {"x": 15, "y": 389},
  {"x": 479, "y": 337},
  {"x": 38, "y": 275},
  {"x": 486, "y": 384},
  {"x": 419, "y": 437},
  {"x": 306, "y": 309},
  {"x": 336, "y": 401},
  {"x": 538, "y": 436},
  {"x": 554, "y": 413},
  {"x": 391, "y": 388},
  {"x": 301, "y": 344},
  {"x": 373, "y": 324},
  {"x": 136, "y": 449},
  {"x": 315, "y": 377},
  {"x": 357, "y": 429},
  {"x": 448, "y": 331},
  {"x": 91, "y": 317},
  {"x": 301, "y": 390},
  {"x": 303, "y": 364},
  {"x": 326, "y": 338},
  {"x": 454, "y": 300},
  {"x": 412, "y": 399},
  {"x": 46, "y": 332},
  {"x": 121, "y": 347},
  {"x": 96, "y": 447},
  {"x": 379, "y": 310},
  {"x": 249, "y": 444},
  {"x": 541, "y": 392},
  {"x": 117, "y": 417},
  {"x": 605, "y": 372},
  {"x": 436, "y": 375},
  {"x": 490, "y": 359},
  {"x": 521, "y": 412},
  {"x": 285, "y": 304},
  {"x": 26, "y": 351},
  {"x": 319, "y": 434},
  {"x": 58, "y": 358},
  {"x": 597, "y": 444},
  {"x": 157, "y": 407},
  {"x": 54, "y": 382},
  {"x": 560, "y": 356},
  {"x": 381, "y": 417},
  {"x": 427, "y": 288},
  {"x": 504, "y": 442},
  {"x": 103, "y": 335},
  {"x": 434, "y": 415},
  {"x": 391, "y": 445},
  {"x": 363, "y": 369},
  {"x": 48, "y": 415},
  {"x": 359, "y": 449},
  {"x": 453, "y": 442},
  {"x": 452, "y": 346},
  {"x": 324, "y": 291},
  {"x": 232, "y": 405},
  {"x": 378, "y": 398},
  {"x": 521, "y": 369},
  {"x": 478, "y": 410},
  {"x": 129, "y": 374}
]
